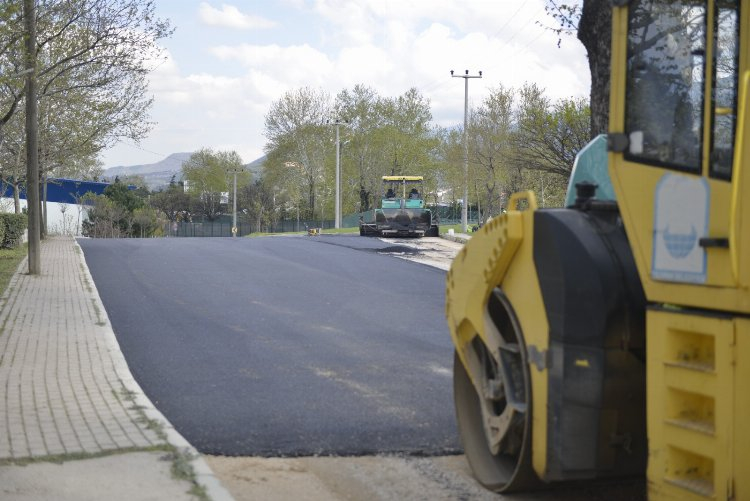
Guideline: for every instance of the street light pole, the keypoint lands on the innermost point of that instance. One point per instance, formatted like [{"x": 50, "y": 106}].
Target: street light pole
[
  {"x": 337, "y": 216},
  {"x": 234, "y": 207},
  {"x": 234, "y": 171},
  {"x": 465, "y": 205},
  {"x": 337, "y": 219}
]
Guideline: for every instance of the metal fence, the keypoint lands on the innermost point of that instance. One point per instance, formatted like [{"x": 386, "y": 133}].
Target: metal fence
[
  {"x": 224, "y": 229},
  {"x": 452, "y": 214},
  {"x": 294, "y": 225},
  {"x": 442, "y": 215},
  {"x": 445, "y": 215},
  {"x": 207, "y": 229}
]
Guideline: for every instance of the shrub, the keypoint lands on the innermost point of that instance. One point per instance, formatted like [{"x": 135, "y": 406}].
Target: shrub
[{"x": 13, "y": 226}]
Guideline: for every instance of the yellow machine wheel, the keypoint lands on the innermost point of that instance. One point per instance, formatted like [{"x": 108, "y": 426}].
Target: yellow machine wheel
[{"x": 494, "y": 417}]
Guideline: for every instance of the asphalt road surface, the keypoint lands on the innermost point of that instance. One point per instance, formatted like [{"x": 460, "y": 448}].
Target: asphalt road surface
[{"x": 284, "y": 346}]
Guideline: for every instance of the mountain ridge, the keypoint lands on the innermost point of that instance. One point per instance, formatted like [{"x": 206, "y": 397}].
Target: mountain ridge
[{"x": 159, "y": 174}]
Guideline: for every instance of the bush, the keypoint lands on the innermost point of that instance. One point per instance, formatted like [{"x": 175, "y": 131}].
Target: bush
[{"x": 13, "y": 226}]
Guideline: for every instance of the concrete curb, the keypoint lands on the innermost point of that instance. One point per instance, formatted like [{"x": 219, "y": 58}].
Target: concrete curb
[
  {"x": 458, "y": 238},
  {"x": 203, "y": 473}
]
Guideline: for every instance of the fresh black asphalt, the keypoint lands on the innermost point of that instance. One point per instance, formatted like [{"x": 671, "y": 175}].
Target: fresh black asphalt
[{"x": 284, "y": 346}]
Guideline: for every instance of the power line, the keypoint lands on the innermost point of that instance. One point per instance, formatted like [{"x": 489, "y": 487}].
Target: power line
[
  {"x": 523, "y": 4},
  {"x": 438, "y": 83},
  {"x": 133, "y": 145}
]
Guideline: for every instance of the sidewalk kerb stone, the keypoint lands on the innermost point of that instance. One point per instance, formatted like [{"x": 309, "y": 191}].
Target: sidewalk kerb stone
[{"x": 203, "y": 473}]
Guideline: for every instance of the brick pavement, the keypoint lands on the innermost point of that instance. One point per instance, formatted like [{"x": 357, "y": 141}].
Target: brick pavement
[
  {"x": 65, "y": 389},
  {"x": 61, "y": 390}
]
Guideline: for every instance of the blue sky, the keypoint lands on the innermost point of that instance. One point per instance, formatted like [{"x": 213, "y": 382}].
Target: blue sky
[{"x": 228, "y": 61}]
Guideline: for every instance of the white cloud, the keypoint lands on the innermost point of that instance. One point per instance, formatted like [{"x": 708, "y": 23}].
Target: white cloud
[
  {"x": 389, "y": 45},
  {"x": 292, "y": 66},
  {"x": 230, "y": 17}
]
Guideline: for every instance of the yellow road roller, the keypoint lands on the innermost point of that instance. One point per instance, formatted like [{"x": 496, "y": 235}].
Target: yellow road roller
[{"x": 612, "y": 337}]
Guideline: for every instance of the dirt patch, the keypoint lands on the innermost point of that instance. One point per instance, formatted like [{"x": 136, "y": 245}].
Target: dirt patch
[
  {"x": 432, "y": 251},
  {"x": 350, "y": 478},
  {"x": 389, "y": 478}
]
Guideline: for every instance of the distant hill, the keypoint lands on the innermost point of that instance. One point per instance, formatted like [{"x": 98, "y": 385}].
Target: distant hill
[
  {"x": 159, "y": 174},
  {"x": 173, "y": 163},
  {"x": 156, "y": 175},
  {"x": 256, "y": 167}
]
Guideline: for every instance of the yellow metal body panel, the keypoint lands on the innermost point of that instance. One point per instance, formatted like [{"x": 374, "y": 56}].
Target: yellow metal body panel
[
  {"x": 691, "y": 401},
  {"x": 739, "y": 223},
  {"x": 699, "y": 440},
  {"x": 631, "y": 180},
  {"x": 741, "y": 446},
  {"x": 698, "y": 352},
  {"x": 500, "y": 254}
]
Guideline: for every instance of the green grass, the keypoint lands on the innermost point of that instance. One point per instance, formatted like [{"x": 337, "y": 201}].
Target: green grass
[
  {"x": 445, "y": 227},
  {"x": 455, "y": 227},
  {"x": 9, "y": 261}
]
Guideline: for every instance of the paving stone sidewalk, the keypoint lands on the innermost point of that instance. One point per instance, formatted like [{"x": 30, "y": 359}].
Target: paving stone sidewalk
[{"x": 65, "y": 389}]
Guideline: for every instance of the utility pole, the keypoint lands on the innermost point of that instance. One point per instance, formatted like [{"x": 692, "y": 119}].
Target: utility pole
[
  {"x": 337, "y": 216},
  {"x": 32, "y": 145},
  {"x": 234, "y": 171},
  {"x": 465, "y": 205}
]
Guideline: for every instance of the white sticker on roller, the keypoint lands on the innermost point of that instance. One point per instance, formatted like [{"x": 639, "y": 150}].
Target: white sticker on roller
[{"x": 681, "y": 206}]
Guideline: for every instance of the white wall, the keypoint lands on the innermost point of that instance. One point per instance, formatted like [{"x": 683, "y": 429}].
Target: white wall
[{"x": 62, "y": 219}]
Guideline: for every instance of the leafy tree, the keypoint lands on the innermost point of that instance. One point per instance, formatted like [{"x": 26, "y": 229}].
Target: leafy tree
[
  {"x": 208, "y": 174},
  {"x": 123, "y": 196},
  {"x": 13, "y": 160},
  {"x": 358, "y": 108},
  {"x": 290, "y": 195},
  {"x": 145, "y": 222},
  {"x": 297, "y": 135},
  {"x": 519, "y": 139},
  {"x": 258, "y": 200},
  {"x": 96, "y": 49},
  {"x": 491, "y": 127},
  {"x": 406, "y": 132},
  {"x": 104, "y": 217},
  {"x": 118, "y": 212},
  {"x": 549, "y": 135},
  {"x": 173, "y": 202}
]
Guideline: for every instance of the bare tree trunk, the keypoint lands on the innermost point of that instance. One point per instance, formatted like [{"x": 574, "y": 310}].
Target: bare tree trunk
[
  {"x": 364, "y": 198},
  {"x": 16, "y": 197},
  {"x": 17, "y": 186},
  {"x": 44, "y": 208},
  {"x": 32, "y": 133},
  {"x": 595, "y": 33},
  {"x": 311, "y": 197}
]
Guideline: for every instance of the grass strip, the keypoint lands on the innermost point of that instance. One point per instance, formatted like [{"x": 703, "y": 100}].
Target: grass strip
[{"x": 9, "y": 261}]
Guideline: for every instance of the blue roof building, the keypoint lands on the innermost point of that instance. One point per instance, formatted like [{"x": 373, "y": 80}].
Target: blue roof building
[
  {"x": 60, "y": 190},
  {"x": 61, "y": 196}
]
